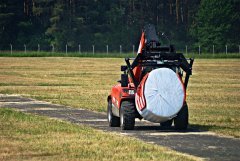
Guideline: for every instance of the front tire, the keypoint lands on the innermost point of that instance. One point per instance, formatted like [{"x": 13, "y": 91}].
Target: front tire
[
  {"x": 113, "y": 121},
  {"x": 181, "y": 120},
  {"x": 127, "y": 115}
]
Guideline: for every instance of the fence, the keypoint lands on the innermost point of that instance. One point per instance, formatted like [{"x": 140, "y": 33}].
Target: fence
[
  {"x": 92, "y": 50},
  {"x": 211, "y": 49}
]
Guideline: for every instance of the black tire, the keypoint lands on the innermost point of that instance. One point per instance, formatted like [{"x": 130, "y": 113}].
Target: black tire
[
  {"x": 167, "y": 123},
  {"x": 127, "y": 115},
  {"x": 181, "y": 120},
  {"x": 113, "y": 121}
]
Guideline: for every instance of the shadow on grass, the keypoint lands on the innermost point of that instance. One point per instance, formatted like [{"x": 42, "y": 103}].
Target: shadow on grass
[
  {"x": 210, "y": 127},
  {"x": 191, "y": 128}
]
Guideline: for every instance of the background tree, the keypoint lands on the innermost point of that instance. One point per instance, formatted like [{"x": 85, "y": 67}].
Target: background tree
[
  {"x": 216, "y": 23},
  {"x": 114, "y": 23},
  {"x": 11, "y": 17}
]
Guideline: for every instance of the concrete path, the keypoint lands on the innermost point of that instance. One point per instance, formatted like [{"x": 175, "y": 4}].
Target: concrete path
[{"x": 202, "y": 144}]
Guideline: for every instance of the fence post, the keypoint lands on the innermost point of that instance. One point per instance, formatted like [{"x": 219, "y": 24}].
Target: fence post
[
  {"x": 226, "y": 49},
  {"x": 93, "y": 49},
  {"x": 39, "y": 48},
  {"x": 133, "y": 49},
  {"x": 66, "y": 49},
  {"x": 120, "y": 49},
  {"x": 186, "y": 49},
  {"x": 25, "y": 48},
  {"x": 199, "y": 49},
  {"x": 107, "y": 49},
  {"x": 52, "y": 48},
  {"x": 213, "y": 48},
  {"x": 238, "y": 49},
  {"x": 11, "y": 48},
  {"x": 79, "y": 48}
]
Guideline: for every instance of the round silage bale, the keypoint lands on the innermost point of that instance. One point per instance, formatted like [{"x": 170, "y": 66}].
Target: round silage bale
[{"x": 160, "y": 95}]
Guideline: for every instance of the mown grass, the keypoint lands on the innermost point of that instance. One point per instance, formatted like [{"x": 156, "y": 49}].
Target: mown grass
[
  {"x": 214, "y": 96},
  {"x": 213, "y": 56},
  {"x": 213, "y": 91},
  {"x": 28, "y": 137},
  {"x": 64, "y": 54},
  {"x": 105, "y": 55}
]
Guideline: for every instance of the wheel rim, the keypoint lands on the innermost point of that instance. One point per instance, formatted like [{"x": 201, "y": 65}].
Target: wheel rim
[
  {"x": 121, "y": 119},
  {"x": 109, "y": 114}
]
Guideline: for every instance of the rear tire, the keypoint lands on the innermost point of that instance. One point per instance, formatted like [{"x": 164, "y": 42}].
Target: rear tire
[
  {"x": 181, "y": 120},
  {"x": 167, "y": 123},
  {"x": 113, "y": 121},
  {"x": 127, "y": 115}
]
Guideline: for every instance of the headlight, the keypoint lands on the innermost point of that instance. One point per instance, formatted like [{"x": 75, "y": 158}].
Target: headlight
[{"x": 130, "y": 92}]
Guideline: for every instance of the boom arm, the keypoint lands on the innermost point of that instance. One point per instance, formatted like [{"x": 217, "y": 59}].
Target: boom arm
[{"x": 150, "y": 53}]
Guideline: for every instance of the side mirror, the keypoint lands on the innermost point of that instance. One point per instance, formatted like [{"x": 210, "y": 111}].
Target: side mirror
[
  {"x": 124, "y": 80},
  {"x": 123, "y": 68}
]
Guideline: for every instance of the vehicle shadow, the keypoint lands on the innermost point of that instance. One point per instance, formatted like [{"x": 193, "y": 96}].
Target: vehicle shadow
[
  {"x": 210, "y": 127},
  {"x": 156, "y": 128}
]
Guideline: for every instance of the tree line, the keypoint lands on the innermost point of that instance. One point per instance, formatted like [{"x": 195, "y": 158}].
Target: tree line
[{"x": 117, "y": 22}]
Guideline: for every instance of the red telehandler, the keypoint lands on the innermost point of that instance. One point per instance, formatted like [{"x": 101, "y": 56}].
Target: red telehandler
[{"x": 152, "y": 86}]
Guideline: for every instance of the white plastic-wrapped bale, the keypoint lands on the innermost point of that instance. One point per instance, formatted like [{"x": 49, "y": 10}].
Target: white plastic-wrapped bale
[{"x": 160, "y": 95}]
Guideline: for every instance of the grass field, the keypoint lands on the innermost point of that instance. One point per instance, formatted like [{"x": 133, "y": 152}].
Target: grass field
[
  {"x": 27, "y": 137},
  {"x": 109, "y": 55},
  {"x": 213, "y": 93}
]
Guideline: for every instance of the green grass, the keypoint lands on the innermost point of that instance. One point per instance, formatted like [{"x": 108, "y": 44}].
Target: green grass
[
  {"x": 64, "y": 54},
  {"x": 28, "y": 137},
  {"x": 105, "y": 55},
  {"x": 214, "y": 56},
  {"x": 213, "y": 93}
]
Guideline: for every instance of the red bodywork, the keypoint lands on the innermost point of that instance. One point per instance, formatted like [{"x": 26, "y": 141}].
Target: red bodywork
[{"x": 118, "y": 94}]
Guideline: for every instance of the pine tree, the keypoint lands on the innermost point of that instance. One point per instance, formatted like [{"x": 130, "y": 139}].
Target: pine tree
[
  {"x": 214, "y": 23},
  {"x": 10, "y": 15}
]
